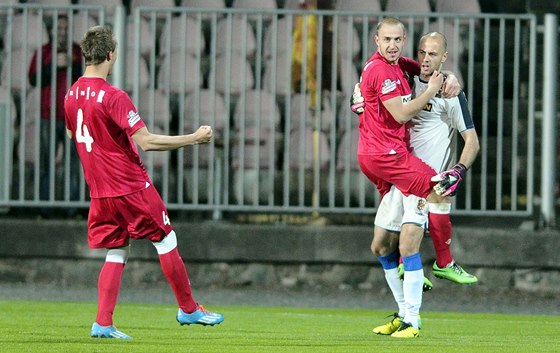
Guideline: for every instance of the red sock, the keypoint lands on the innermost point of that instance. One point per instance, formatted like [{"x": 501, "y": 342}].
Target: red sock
[
  {"x": 440, "y": 231},
  {"x": 108, "y": 287},
  {"x": 176, "y": 273}
]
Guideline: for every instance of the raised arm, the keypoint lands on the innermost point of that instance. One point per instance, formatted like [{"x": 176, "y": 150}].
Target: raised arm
[{"x": 403, "y": 112}]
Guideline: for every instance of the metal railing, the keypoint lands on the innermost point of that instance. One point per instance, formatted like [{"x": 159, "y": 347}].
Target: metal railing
[{"x": 284, "y": 142}]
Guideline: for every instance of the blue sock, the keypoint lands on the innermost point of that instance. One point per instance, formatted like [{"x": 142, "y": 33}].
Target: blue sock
[
  {"x": 412, "y": 262},
  {"x": 389, "y": 261}
]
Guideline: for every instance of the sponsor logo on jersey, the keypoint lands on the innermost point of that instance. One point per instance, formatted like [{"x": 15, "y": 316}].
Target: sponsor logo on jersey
[
  {"x": 388, "y": 86},
  {"x": 406, "y": 98},
  {"x": 428, "y": 107},
  {"x": 133, "y": 118}
]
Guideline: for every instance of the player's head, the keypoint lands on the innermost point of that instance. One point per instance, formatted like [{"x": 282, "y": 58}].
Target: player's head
[
  {"x": 390, "y": 37},
  {"x": 99, "y": 46},
  {"x": 62, "y": 31},
  {"x": 432, "y": 52}
]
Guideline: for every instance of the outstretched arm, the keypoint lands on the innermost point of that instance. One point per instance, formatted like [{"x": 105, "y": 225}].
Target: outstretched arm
[{"x": 154, "y": 142}]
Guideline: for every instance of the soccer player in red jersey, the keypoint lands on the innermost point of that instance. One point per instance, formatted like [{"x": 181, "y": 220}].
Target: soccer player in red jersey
[
  {"x": 384, "y": 157},
  {"x": 105, "y": 126}
]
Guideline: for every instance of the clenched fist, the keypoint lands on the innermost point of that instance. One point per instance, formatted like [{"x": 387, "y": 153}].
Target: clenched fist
[{"x": 203, "y": 134}]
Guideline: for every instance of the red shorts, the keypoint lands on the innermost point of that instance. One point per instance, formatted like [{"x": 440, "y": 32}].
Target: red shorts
[
  {"x": 407, "y": 172},
  {"x": 112, "y": 221}
]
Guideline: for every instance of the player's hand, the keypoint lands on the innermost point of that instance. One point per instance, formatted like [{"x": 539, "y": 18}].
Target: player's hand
[
  {"x": 451, "y": 87},
  {"x": 357, "y": 103},
  {"x": 449, "y": 181},
  {"x": 436, "y": 80},
  {"x": 203, "y": 134}
]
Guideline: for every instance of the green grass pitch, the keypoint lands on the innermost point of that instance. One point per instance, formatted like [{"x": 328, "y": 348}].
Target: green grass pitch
[{"x": 39, "y": 326}]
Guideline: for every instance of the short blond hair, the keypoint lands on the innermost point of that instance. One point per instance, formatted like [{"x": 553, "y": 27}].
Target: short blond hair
[
  {"x": 97, "y": 43},
  {"x": 390, "y": 21}
]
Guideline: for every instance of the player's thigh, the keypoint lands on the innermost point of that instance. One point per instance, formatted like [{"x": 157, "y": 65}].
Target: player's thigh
[
  {"x": 369, "y": 167},
  {"x": 146, "y": 215},
  {"x": 390, "y": 211},
  {"x": 408, "y": 173},
  {"x": 105, "y": 227}
]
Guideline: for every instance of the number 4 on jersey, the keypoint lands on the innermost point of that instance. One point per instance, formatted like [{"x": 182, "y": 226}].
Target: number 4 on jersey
[{"x": 82, "y": 132}]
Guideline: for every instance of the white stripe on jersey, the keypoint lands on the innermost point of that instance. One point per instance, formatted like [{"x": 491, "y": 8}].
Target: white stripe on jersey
[{"x": 100, "y": 96}]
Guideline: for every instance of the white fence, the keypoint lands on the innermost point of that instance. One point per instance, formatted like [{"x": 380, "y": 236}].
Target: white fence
[{"x": 283, "y": 142}]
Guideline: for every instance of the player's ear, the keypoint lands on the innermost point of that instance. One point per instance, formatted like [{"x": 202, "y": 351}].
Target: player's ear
[{"x": 444, "y": 57}]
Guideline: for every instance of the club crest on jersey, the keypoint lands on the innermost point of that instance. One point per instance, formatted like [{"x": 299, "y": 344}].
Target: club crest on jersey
[
  {"x": 420, "y": 207},
  {"x": 428, "y": 107},
  {"x": 388, "y": 86},
  {"x": 133, "y": 118}
]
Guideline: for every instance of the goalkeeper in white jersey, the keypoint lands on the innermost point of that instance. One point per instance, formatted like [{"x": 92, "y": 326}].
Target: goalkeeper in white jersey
[{"x": 432, "y": 133}]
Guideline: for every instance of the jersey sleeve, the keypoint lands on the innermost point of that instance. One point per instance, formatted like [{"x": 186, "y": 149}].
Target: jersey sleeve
[
  {"x": 409, "y": 66},
  {"x": 459, "y": 113},
  {"x": 125, "y": 114},
  {"x": 381, "y": 82}
]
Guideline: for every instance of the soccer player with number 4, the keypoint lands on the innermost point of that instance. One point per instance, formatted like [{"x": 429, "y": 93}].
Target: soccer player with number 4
[
  {"x": 385, "y": 158},
  {"x": 105, "y": 126}
]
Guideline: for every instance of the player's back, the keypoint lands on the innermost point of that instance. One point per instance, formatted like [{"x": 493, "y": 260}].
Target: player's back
[{"x": 102, "y": 118}]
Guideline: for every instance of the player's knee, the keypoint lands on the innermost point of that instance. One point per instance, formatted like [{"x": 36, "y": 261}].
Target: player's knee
[
  {"x": 118, "y": 255},
  {"x": 167, "y": 244}
]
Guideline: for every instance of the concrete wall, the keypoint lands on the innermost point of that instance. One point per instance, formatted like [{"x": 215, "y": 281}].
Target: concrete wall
[{"x": 222, "y": 254}]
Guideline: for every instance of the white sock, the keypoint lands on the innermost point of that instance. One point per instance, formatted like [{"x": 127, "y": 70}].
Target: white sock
[
  {"x": 412, "y": 288},
  {"x": 396, "y": 286}
]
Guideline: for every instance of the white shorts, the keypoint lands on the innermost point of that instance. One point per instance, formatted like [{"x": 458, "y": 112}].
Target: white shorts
[{"x": 396, "y": 209}]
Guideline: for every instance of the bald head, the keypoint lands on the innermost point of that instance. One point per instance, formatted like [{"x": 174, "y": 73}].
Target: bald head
[
  {"x": 432, "y": 53},
  {"x": 436, "y": 36}
]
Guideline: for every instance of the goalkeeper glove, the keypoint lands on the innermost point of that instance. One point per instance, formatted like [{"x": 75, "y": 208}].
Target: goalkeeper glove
[
  {"x": 448, "y": 181},
  {"x": 357, "y": 101}
]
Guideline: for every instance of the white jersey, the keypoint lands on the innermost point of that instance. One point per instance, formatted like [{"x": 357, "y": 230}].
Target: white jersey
[{"x": 434, "y": 130}]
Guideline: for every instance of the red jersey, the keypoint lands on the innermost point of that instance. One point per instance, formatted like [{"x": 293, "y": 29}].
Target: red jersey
[
  {"x": 102, "y": 119},
  {"x": 380, "y": 133}
]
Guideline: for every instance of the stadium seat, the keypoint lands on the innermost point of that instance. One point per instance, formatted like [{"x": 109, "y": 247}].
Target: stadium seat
[
  {"x": 458, "y": 7},
  {"x": 348, "y": 40},
  {"x": 204, "y": 4},
  {"x": 360, "y": 7},
  {"x": 205, "y": 107},
  {"x": 302, "y": 116},
  {"x": 416, "y": 25},
  {"x": 254, "y": 159},
  {"x": 278, "y": 37},
  {"x": 163, "y": 4},
  {"x": 277, "y": 74},
  {"x": 256, "y": 5},
  {"x": 147, "y": 37},
  {"x": 82, "y": 21},
  {"x": 180, "y": 73},
  {"x": 137, "y": 77},
  {"x": 210, "y": 7},
  {"x": 256, "y": 108},
  {"x": 15, "y": 66},
  {"x": 186, "y": 37},
  {"x": 231, "y": 75},
  {"x": 28, "y": 32},
  {"x": 352, "y": 187},
  {"x": 235, "y": 35},
  {"x": 153, "y": 107},
  {"x": 108, "y": 5},
  {"x": 201, "y": 182},
  {"x": 304, "y": 144}
]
